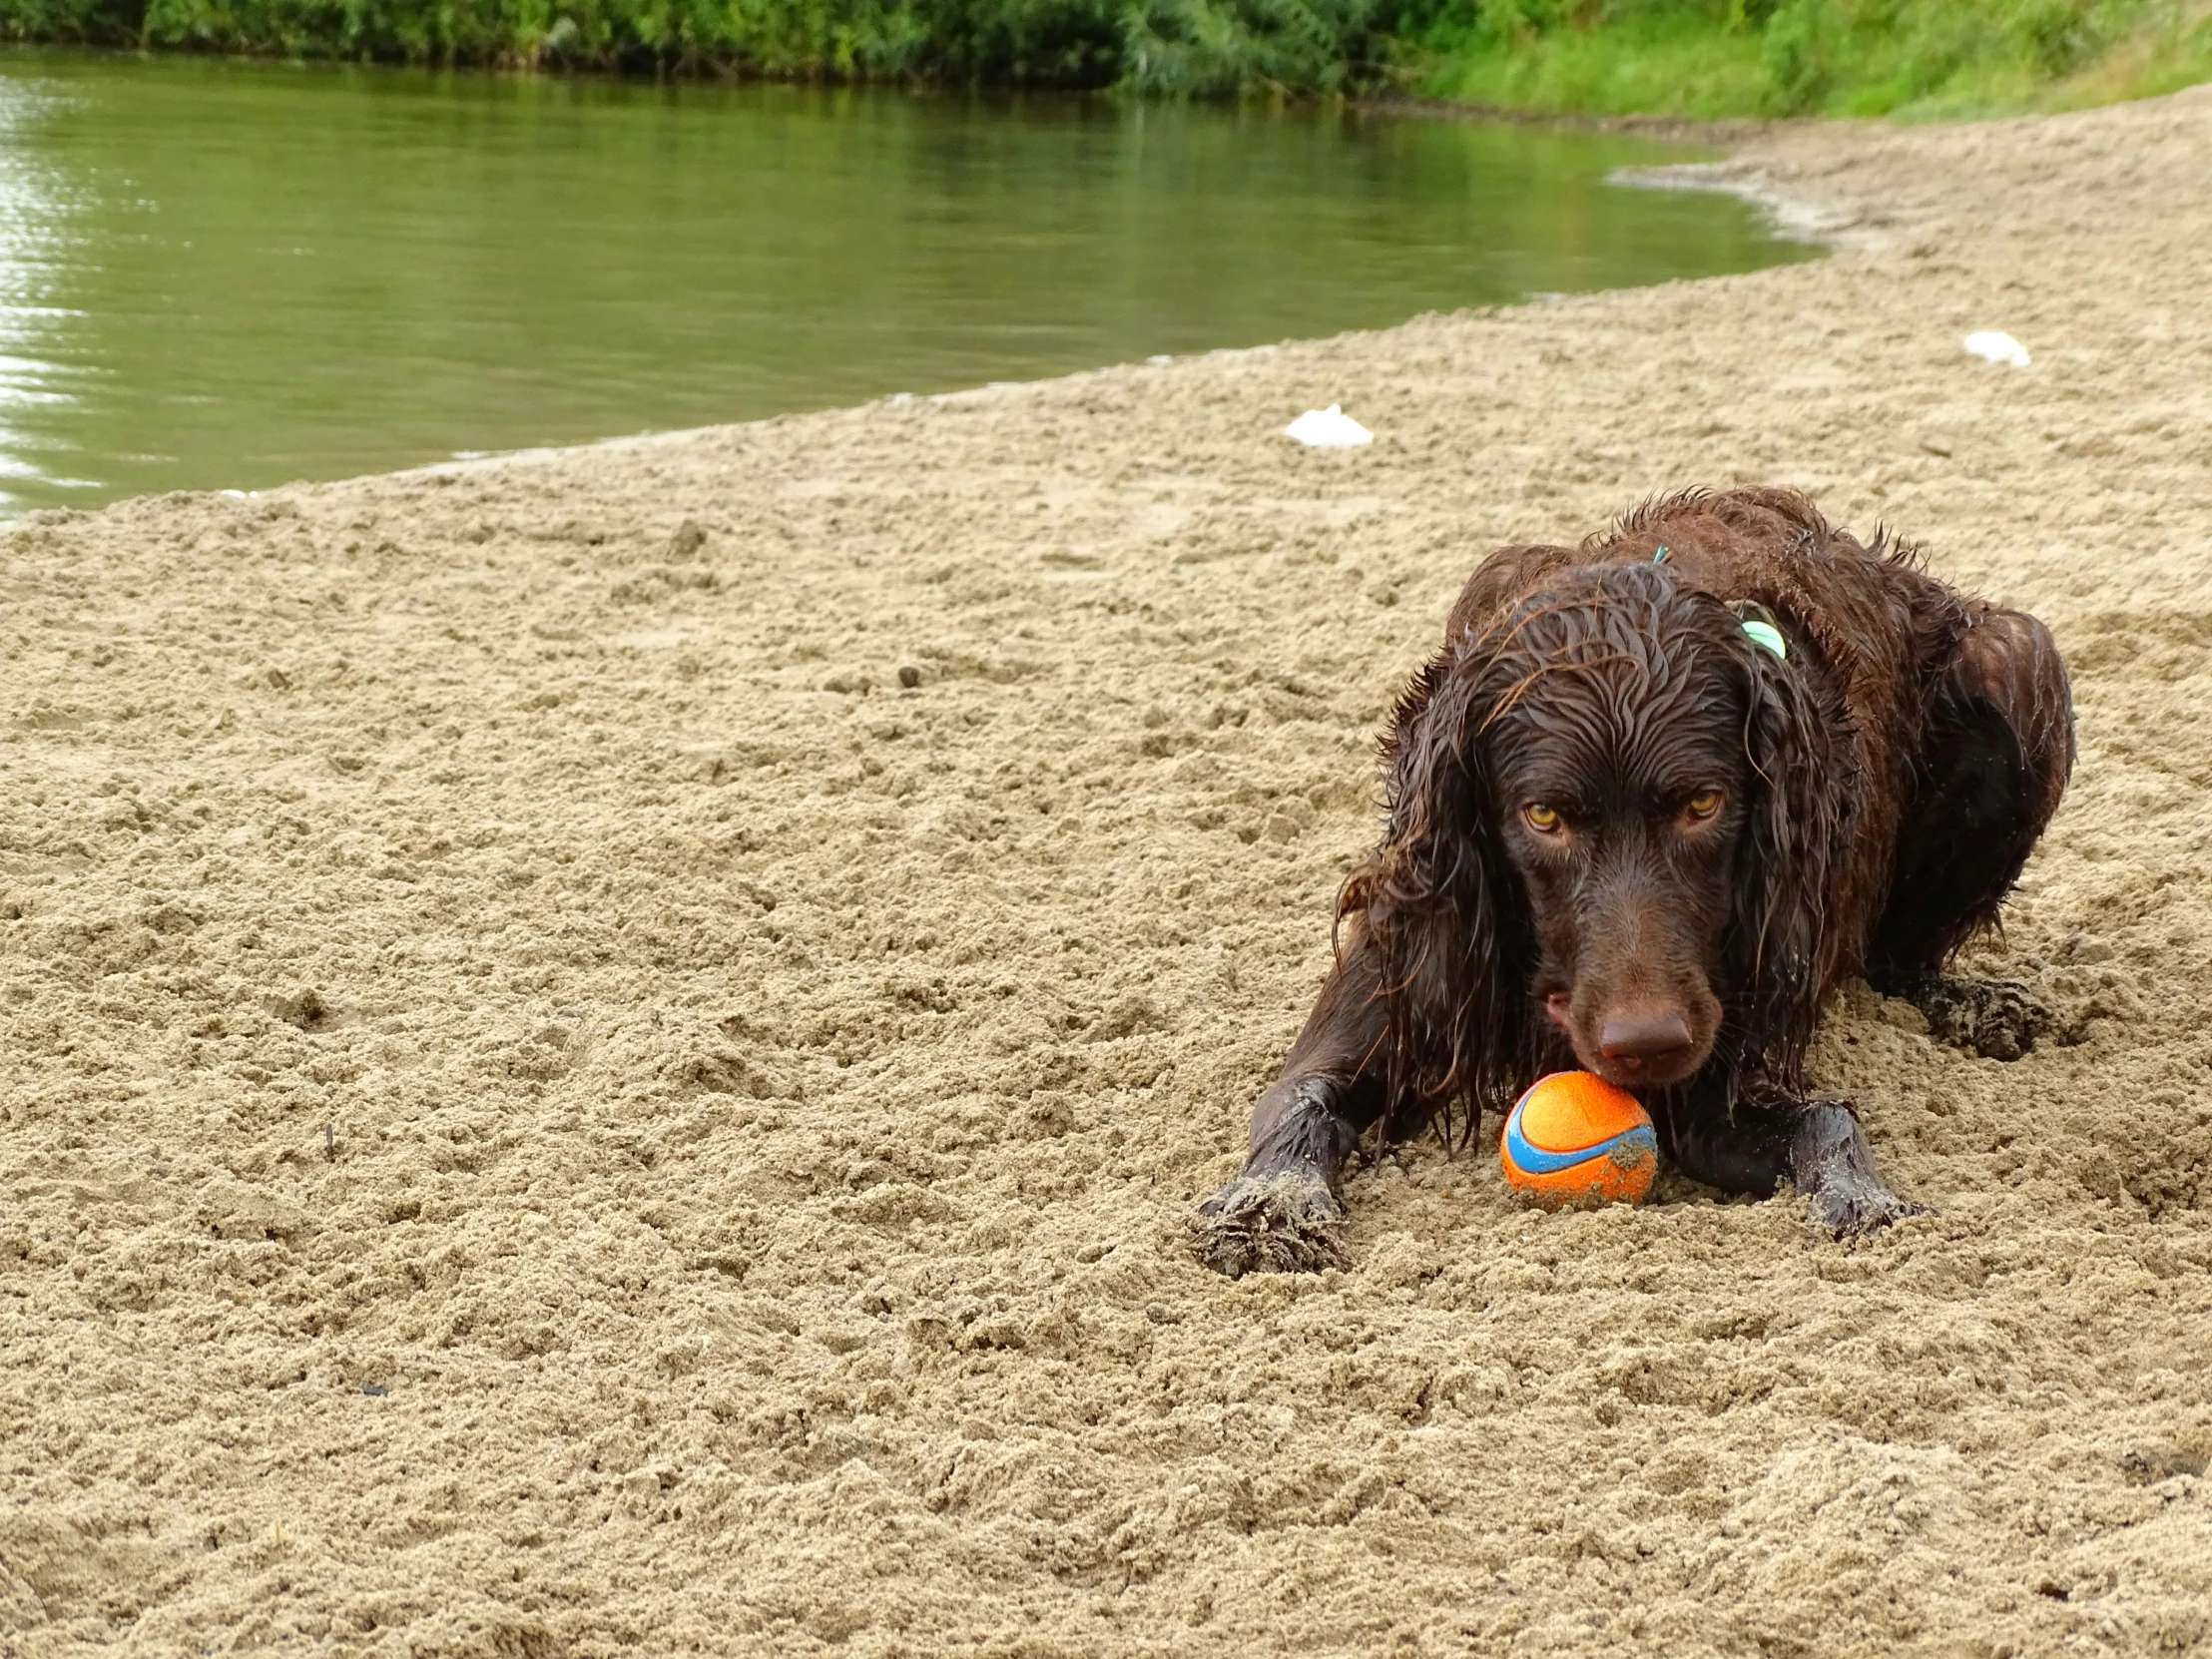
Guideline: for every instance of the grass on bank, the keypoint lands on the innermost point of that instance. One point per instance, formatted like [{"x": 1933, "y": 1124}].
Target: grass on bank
[
  {"x": 1916, "y": 58},
  {"x": 1690, "y": 58}
]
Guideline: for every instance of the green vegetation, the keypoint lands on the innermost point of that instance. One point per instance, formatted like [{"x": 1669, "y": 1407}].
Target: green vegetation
[
  {"x": 1724, "y": 57},
  {"x": 1690, "y": 58}
]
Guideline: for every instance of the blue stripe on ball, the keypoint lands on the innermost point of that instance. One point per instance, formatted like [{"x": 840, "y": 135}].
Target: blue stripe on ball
[{"x": 1536, "y": 1161}]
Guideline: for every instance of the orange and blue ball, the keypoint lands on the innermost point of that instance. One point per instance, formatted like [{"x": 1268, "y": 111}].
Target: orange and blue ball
[{"x": 1575, "y": 1142}]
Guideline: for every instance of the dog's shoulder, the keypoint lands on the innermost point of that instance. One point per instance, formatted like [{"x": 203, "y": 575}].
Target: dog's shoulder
[{"x": 1868, "y": 608}]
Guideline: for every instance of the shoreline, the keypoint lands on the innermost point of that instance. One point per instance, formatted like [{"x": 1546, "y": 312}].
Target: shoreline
[
  {"x": 1727, "y": 133},
  {"x": 614, "y": 1047},
  {"x": 1795, "y": 215}
]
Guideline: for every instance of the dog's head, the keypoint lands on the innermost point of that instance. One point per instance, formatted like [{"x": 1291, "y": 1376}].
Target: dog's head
[{"x": 1611, "y": 815}]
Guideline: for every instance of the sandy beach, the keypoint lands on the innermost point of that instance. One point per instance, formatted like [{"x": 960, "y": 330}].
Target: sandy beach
[{"x": 611, "y": 1052}]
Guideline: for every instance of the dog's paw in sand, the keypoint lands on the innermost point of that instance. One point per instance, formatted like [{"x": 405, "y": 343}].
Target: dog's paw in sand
[
  {"x": 1287, "y": 1221},
  {"x": 1998, "y": 1019},
  {"x": 1858, "y": 1209},
  {"x": 1832, "y": 1164}
]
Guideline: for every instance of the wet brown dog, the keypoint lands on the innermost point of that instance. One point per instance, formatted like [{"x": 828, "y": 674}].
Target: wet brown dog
[{"x": 1655, "y": 797}]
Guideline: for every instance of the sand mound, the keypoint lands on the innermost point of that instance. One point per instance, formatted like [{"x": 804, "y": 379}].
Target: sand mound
[{"x": 610, "y": 1052}]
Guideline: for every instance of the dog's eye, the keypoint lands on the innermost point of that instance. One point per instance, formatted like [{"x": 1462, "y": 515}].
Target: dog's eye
[
  {"x": 1545, "y": 820},
  {"x": 1702, "y": 805}
]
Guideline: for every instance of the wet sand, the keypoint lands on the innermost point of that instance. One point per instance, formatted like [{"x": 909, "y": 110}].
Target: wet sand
[{"x": 610, "y": 1052}]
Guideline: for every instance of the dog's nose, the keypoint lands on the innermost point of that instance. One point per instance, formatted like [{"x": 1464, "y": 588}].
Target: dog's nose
[{"x": 1643, "y": 1039}]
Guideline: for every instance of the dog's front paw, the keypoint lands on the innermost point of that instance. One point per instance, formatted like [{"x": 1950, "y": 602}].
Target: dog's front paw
[
  {"x": 1848, "y": 1208},
  {"x": 1287, "y": 1221},
  {"x": 1998, "y": 1019},
  {"x": 1832, "y": 1167}
]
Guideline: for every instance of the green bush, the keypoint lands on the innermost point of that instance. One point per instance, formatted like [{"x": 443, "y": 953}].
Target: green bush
[
  {"x": 72, "y": 22},
  {"x": 1012, "y": 42},
  {"x": 1805, "y": 47},
  {"x": 1211, "y": 48}
]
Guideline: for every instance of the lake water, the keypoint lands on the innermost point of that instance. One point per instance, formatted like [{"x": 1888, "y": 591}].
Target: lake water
[{"x": 229, "y": 275}]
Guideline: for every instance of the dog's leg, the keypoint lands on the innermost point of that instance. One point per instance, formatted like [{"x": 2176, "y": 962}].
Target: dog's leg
[
  {"x": 1995, "y": 760},
  {"x": 1832, "y": 1164},
  {"x": 1282, "y": 1213},
  {"x": 1815, "y": 1145}
]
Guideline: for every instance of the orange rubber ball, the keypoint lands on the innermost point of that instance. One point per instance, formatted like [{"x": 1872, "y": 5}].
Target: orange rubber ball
[{"x": 1575, "y": 1142}]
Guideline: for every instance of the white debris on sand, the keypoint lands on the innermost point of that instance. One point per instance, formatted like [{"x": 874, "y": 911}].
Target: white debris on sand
[
  {"x": 1993, "y": 346},
  {"x": 1328, "y": 428}
]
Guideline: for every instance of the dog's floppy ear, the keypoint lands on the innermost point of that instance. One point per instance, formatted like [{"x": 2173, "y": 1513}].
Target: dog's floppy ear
[
  {"x": 1442, "y": 909},
  {"x": 1779, "y": 939}
]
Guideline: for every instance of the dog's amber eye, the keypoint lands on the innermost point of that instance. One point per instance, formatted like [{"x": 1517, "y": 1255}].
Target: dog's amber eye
[
  {"x": 1541, "y": 818},
  {"x": 1702, "y": 805}
]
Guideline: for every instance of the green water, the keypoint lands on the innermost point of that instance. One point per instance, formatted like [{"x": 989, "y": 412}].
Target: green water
[{"x": 226, "y": 276}]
